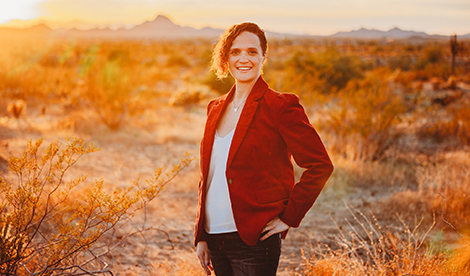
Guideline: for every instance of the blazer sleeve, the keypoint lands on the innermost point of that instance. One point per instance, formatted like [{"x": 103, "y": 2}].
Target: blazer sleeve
[{"x": 309, "y": 153}]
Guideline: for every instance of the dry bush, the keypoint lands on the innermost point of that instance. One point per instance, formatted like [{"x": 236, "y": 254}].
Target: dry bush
[
  {"x": 433, "y": 64},
  {"x": 189, "y": 94},
  {"x": 442, "y": 189},
  {"x": 176, "y": 60},
  {"x": 407, "y": 81},
  {"x": 450, "y": 124},
  {"x": 218, "y": 85},
  {"x": 50, "y": 227},
  {"x": 107, "y": 87},
  {"x": 403, "y": 62},
  {"x": 365, "y": 118},
  {"x": 306, "y": 73},
  {"x": 364, "y": 247}
]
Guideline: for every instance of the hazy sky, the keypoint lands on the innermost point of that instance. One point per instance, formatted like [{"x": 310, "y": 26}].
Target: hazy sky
[{"x": 321, "y": 17}]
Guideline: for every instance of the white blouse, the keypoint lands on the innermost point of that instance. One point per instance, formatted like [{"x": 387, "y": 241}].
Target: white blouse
[{"x": 219, "y": 215}]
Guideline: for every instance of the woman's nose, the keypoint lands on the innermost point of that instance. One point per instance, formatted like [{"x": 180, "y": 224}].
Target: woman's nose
[{"x": 243, "y": 57}]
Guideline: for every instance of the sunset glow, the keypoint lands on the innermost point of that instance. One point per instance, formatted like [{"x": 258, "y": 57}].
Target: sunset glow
[{"x": 297, "y": 16}]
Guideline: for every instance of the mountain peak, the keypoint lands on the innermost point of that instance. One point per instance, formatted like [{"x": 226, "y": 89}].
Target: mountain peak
[
  {"x": 39, "y": 28},
  {"x": 163, "y": 27},
  {"x": 162, "y": 18}
]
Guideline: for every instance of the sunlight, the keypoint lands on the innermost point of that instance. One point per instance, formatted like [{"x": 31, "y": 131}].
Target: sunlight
[
  {"x": 19, "y": 9},
  {"x": 104, "y": 11}
]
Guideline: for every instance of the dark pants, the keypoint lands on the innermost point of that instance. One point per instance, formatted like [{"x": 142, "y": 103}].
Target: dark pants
[{"x": 230, "y": 256}]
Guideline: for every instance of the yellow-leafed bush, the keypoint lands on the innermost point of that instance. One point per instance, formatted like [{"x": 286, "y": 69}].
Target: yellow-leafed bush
[{"x": 50, "y": 228}]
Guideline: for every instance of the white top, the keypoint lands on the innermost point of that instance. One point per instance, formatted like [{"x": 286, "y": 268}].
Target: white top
[{"x": 219, "y": 215}]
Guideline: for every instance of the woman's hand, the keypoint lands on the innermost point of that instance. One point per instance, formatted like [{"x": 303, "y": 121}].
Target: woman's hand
[
  {"x": 203, "y": 255},
  {"x": 274, "y": 226}
]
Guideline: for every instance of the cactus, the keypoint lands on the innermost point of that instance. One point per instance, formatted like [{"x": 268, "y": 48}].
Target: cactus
[{"x": 454, "y": 48}]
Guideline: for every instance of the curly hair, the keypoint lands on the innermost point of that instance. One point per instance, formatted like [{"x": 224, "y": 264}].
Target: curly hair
[{"x": 222, "y": 48}]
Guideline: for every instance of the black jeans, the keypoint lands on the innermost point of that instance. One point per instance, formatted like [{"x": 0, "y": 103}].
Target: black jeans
[{"x": 230, "y": 256}]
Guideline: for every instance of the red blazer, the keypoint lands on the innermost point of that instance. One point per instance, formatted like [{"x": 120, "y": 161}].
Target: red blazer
[{"x": 260, "y": 176}]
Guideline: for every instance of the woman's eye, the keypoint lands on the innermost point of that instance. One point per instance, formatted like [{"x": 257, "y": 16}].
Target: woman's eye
[
  {"x": 253, "y": 52},
  {"x": 235, "y": 53}
]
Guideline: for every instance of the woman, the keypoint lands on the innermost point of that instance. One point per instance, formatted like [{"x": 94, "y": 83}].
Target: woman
[{"x": 247, "y": 195}]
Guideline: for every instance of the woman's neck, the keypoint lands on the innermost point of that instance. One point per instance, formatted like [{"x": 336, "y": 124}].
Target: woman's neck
[{"x": 243, "y": 89}]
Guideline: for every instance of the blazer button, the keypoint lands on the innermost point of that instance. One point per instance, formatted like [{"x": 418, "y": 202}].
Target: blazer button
[{"x": 230, "y": 181}]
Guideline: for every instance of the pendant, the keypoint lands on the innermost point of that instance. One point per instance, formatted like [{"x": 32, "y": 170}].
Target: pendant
[{"x": 235, "y": 109}]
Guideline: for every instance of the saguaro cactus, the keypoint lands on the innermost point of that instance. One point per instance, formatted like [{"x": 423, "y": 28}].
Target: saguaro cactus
[{"x": 454, "y": 48}]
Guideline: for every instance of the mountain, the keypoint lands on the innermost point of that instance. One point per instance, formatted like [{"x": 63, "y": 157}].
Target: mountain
[
  {"x": 467, "y": 36},
  {"x": 163, "y": 28},
  {"x": 159, "y": 28},
  {"x": 394, "y": 33},
  {"x": 40, "y": 29}
]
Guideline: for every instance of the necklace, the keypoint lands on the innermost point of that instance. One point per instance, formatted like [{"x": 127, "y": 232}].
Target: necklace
[{"x": 235, "y": 108}]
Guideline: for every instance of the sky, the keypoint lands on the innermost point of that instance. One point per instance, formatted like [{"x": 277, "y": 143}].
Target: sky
[{"x": 315, "y": 17}]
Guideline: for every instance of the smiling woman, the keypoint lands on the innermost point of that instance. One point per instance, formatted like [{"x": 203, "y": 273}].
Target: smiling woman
[{"x": 247, "y": 196}]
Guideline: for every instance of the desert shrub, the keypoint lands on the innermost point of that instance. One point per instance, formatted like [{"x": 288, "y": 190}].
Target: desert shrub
[
  {"x": 365, "y": 117},
  {"x": 301, "y": 75},
  {"x": 449, "y": 124},
  {"x": 442, "y": 190},
  {"x": 221, "y": 86},
  {"x": 325, "y": 72},
  {"x": 406, "y": 80},
  {"x": 433, "y": 63},
  {"x": 50, "y": 228},
  {"x": 403, "y": 62},
  {"x": 22, "y": 83},
  {"x": 434, "y": 54},
  {"x": 176, "y": 60},
  {"x": 108, "y": 87},
  {"x": 189, "y": 94},
  {"x": 364, "y": 247}
]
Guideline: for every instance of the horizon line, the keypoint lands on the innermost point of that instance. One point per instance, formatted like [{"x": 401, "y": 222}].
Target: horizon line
[{"x": 77, "y": 24}]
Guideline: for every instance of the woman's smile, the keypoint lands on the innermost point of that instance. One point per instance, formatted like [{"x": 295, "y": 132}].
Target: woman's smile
[{"x": 246, "y": 58}]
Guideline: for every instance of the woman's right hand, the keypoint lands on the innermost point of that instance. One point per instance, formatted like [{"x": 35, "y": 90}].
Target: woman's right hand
[{"x": 203, "y": 255}]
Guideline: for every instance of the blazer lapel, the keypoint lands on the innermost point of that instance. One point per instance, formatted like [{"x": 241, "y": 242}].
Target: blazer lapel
[
  {"x": 246, "y": 117},
  {"x": 209, "y": 133},
  {"x": 244, "y": 122}
]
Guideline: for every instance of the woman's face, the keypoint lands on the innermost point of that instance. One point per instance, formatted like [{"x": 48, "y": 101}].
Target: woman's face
[{"x": 246, "y": 58}]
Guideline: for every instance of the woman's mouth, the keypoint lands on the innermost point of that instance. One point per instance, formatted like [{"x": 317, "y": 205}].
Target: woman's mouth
[{"x": 244, "y": 68}]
